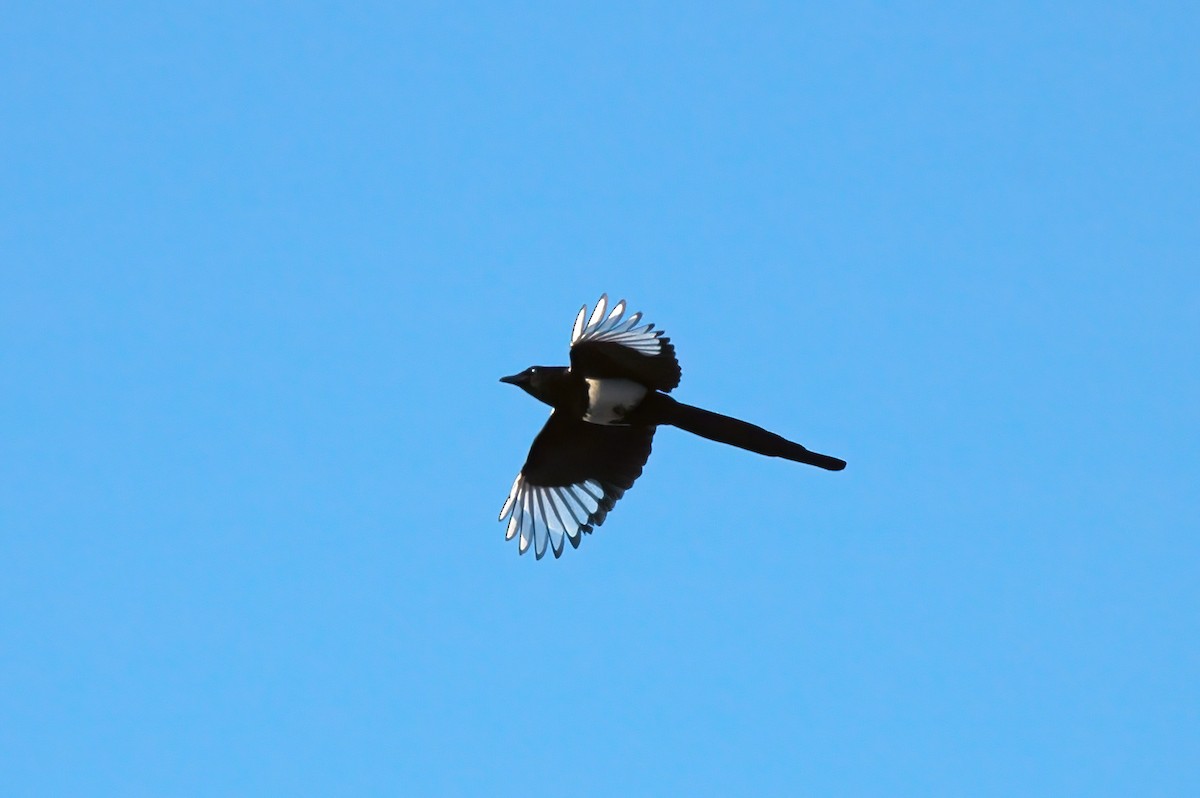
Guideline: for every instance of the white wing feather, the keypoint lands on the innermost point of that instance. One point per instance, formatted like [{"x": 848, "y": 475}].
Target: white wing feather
[
  {"x": 545, "y": 517},
  {"x": 611, "y": 328}
]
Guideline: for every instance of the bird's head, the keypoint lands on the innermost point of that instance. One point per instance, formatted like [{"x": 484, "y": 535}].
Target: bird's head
[{"x": 539, "y": 382}]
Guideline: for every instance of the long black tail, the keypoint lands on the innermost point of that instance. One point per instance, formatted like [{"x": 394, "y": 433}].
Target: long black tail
[{"x": 724, "y": 429}]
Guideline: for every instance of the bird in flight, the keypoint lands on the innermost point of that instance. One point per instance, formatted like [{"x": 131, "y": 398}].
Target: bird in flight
[{"x": 606, "y": 406}]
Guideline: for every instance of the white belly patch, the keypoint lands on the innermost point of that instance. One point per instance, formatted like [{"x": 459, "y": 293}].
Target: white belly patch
[{"x": 609, "y": 400}]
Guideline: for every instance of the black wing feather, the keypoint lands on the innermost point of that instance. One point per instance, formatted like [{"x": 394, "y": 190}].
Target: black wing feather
[
  {"x": 600, "y": 359},
  {"x": 570, "y": 451}
]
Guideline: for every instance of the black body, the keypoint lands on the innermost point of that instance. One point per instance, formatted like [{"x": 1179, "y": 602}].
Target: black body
[{"x": 567, "y": 392}]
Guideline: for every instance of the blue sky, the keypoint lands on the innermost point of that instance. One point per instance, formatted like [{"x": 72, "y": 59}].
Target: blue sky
[{"x": 263, "y": 265}]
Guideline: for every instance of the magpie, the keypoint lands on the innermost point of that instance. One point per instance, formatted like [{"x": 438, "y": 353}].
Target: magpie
[{"x": 606, "y": 406}]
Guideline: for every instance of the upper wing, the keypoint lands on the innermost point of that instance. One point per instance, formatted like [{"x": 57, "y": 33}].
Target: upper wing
[
  {"x": 573, "y": 476},
  {"x": 609, "y": 346}
]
